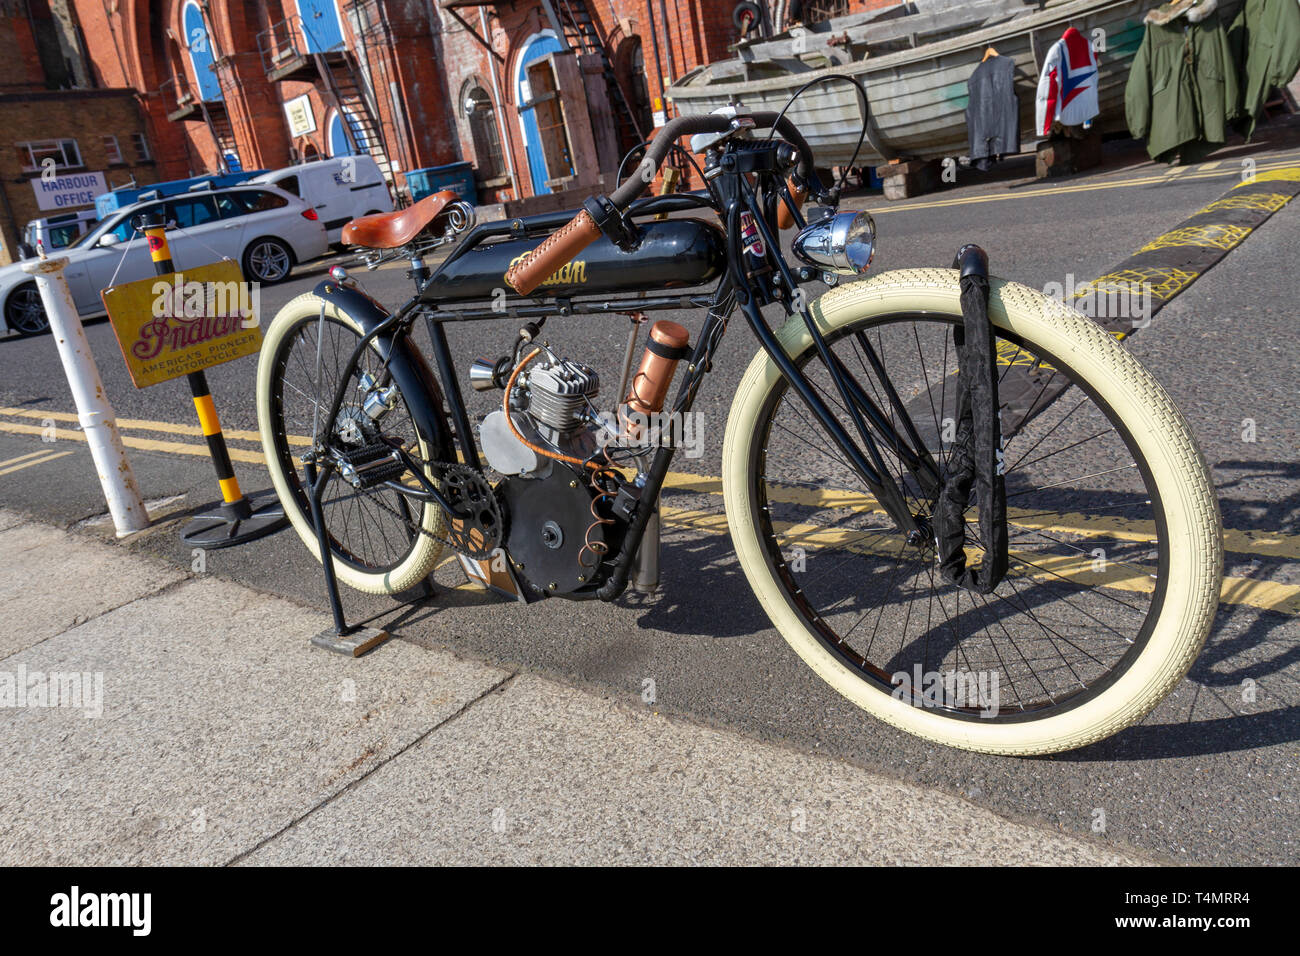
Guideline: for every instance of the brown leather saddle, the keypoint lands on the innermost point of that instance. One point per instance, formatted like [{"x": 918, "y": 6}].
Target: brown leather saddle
[{"x": 388, "y": 230}]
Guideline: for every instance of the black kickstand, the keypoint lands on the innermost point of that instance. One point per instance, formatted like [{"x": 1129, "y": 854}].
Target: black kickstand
[{"x": 343, "y": 638}]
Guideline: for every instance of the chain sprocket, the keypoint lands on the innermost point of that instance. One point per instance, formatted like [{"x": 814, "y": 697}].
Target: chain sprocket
[{"x": 477, "y": 526}]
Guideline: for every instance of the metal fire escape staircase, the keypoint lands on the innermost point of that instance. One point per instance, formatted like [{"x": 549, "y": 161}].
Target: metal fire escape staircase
[
  {"x": 339, "y": 73},
  {"x": 217, "y": 118},
  {"x": 354, "y": 100},
  {"x": 583, "y": 36}
]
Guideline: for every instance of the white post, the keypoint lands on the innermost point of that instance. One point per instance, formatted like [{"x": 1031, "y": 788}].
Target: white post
[{"x": 93, "y": 408}]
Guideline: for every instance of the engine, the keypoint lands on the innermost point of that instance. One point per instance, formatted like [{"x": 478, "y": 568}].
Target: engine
[
  {"x": 552, "y": 407},
  {"x": 558, "y": 521},
  {"x": 568, "y": 506}
]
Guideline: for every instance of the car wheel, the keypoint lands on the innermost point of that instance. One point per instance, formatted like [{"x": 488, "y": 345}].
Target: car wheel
[
  {"x": 267, "y": 260},
  {"x": 25, "y": 312}
]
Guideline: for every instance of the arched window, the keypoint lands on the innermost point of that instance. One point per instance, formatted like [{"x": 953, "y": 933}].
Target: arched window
[
  {"x": 199, "y": 45},
  {"x": 634, "y": 84},
  {"x": 482, "y": 119}
]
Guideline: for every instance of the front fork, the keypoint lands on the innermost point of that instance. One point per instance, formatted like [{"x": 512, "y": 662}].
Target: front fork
[{"x": 866, "y": 415}]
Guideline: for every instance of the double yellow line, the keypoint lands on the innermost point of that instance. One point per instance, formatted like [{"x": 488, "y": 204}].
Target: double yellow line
[
  {"x": 28, "y": 460},
  {"x": 1236, "y": 590}
]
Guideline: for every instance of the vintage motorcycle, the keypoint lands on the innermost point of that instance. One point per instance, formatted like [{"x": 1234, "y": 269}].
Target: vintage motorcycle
[{"x": 884, "y": 436}]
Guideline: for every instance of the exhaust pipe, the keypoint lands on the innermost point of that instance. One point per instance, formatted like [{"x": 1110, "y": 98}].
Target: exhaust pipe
[
  {"x": 485, "y": 375},
  {"x": 645, "y": 577}
]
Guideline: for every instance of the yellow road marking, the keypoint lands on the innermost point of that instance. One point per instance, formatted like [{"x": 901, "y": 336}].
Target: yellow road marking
[
  {"x": 33, "y": 454},
  {"x": 145, "y": 444},
  {"x": 1267, "y": 595},
  {"x": 138, "y": 424},
  {"x": 1079, "y": 187},
  {"x": 39, "y": 458},
  {"x": 1262, "y": 543}
]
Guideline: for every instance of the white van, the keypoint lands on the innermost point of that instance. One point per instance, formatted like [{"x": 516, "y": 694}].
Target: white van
[
  {"x": 56, "y": 232},
  {"x": 339, "y": 189}
]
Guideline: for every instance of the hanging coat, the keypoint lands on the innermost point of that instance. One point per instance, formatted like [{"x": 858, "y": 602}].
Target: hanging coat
[
  {"x": 1067, "y": 89},
  {"x": 1182, "y": 88},
  {"x": 1266, "y": 39},
  {"x": 993, "y": 114}
]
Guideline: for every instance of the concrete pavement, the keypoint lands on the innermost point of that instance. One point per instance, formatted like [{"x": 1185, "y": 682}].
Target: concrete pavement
[{"x": 197, "y": 725}]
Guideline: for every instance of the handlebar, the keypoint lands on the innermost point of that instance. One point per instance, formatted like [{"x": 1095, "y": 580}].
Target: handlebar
[{"x": 565, "y": 243}]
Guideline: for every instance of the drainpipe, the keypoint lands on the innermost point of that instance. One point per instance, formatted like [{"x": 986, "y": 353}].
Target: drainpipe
[
  {"x": 502, "y": 125},
  {"x": 659, "y": 66},
  {"x": 668, "y": 47}
]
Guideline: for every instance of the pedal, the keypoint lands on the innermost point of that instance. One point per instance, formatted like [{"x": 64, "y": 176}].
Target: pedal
[{"x": 371, "y": 465}]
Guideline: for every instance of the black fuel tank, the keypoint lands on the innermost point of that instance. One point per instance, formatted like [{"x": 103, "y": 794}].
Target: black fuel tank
[{"x": 674, "y": 253}]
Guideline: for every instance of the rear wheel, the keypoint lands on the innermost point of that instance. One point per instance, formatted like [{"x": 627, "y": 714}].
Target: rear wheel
[
  {"x": 25, "y": 312},
  {"x": 1115, "y": 554},
  {"x": 382, "y": 541}
]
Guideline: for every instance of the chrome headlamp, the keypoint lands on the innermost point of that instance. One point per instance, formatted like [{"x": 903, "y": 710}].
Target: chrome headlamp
[{"x": 843, "y": 243}]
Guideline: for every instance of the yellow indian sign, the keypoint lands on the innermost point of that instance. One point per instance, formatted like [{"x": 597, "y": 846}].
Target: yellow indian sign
[{"x": 171, "y": 325}]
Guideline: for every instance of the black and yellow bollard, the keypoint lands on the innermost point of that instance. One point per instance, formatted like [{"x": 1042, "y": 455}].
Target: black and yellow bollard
[{"x": 237, "y": 519}]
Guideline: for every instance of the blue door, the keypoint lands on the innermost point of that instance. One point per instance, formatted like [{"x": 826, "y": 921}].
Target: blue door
[
  {"x": 199, "y": 45},
  {"x": 320, "y": 25},
  {"x": 337, "y": 141},
  {"x": 536, "y": 48}
]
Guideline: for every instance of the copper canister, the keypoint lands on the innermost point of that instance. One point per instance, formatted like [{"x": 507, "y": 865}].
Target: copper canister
[
  {"x": 666, "y": 347},
  {"x": 784, "y": 217}
]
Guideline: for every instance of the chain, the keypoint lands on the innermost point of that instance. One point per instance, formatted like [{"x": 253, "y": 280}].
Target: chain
[{"x": 491, "y": 539}]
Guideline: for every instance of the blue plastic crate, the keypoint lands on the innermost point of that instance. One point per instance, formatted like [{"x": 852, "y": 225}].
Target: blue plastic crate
[{"x": 458, "y": 177}]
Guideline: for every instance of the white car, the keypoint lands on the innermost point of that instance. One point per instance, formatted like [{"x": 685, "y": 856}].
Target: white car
[
  {"x": 262, "y": 228},
  {"x": 339, "y": 189}
]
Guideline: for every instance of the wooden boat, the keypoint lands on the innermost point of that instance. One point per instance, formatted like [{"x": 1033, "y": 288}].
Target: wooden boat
[{"x": 918, "y": 93}]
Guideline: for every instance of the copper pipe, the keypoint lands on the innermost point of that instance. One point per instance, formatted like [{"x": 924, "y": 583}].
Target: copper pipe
[{"x": 649, "y": 388}]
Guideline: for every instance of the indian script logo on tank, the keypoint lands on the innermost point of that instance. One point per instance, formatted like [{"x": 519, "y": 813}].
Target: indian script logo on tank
[{"x": 571, "y": 273}]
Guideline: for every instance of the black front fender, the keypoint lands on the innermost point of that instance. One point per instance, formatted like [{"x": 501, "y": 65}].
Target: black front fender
[{"x": 410, "y": 371}]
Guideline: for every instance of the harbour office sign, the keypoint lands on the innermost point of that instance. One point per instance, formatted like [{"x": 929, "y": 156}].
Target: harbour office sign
[{"x": 65, "y": 192}]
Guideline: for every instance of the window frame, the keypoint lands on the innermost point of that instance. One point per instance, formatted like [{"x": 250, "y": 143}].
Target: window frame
[
  {"x": 484, "y": 132},
  {"x": 47, "y": 147},
  {"x": 143, "y": 153},
  {"x": 113, "y": 149}
]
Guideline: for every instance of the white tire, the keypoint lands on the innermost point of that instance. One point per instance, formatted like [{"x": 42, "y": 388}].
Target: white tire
[
  {"x": 1147, "y": 413},
  {"x": 424, "y": 550}
]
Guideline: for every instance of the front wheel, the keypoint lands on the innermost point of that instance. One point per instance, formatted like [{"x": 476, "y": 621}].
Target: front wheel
[{"x": 1113, "y": 529}]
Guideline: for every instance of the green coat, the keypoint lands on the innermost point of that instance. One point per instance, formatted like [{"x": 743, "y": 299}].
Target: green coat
[
  {"x": 1183, "y": 88},
  {"x": 1266, "y": 36}
]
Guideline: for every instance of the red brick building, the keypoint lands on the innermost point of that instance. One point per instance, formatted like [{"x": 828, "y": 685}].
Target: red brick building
[
  {"x": 538, "y": 96},
  {"x": 64, "y": 142}
]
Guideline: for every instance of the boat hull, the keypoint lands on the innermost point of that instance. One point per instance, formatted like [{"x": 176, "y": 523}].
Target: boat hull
[{"x": 919, "y": 97}]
